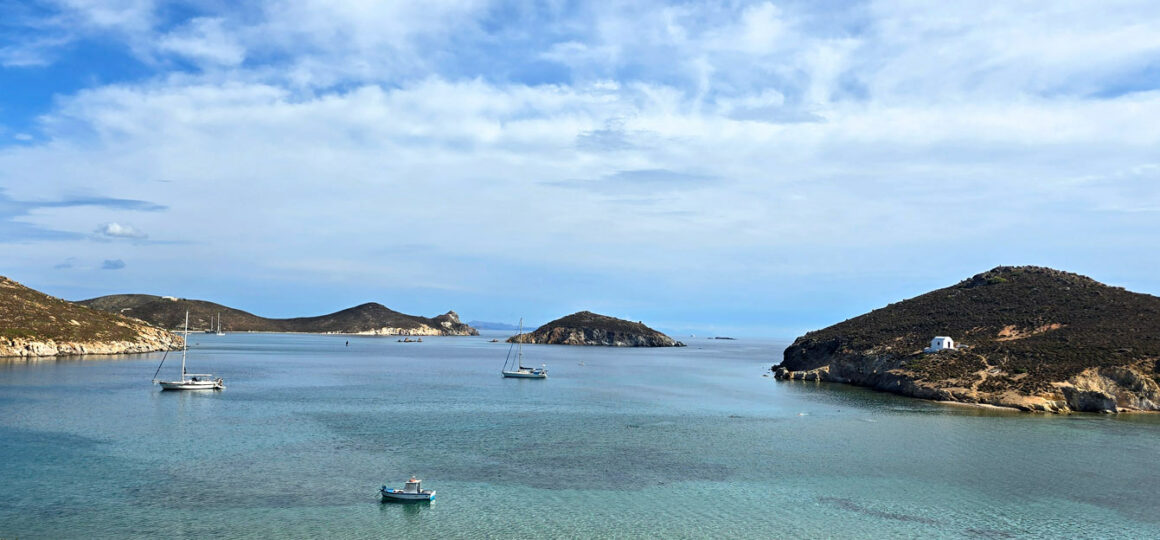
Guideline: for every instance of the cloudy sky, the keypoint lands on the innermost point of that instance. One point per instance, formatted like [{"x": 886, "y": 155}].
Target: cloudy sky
[{"x": 753, "y": 168}]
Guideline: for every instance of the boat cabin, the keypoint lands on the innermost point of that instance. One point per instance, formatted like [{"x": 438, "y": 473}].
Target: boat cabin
[{"x": 940, "y": 343}]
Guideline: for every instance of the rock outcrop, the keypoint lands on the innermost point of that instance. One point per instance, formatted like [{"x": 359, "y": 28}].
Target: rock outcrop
[
  {"x": 1033, "y": 339},
  {"x": 33, "y": 324},
  {"x": 587, "y": 328}
]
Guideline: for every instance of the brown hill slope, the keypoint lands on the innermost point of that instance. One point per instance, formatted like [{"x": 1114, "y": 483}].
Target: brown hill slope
[
  {"x": 370, "y": 318},
  {"x": 587, "y": 328},
  {"x": 1035, "y": 339},
  {"x": 35, "y": 324}
]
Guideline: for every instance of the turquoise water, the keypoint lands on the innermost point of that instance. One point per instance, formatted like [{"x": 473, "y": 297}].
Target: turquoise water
[{"x": 661, "y": 443}]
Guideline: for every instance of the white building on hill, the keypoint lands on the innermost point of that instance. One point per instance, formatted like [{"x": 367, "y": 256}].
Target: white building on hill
[{"x": 940, "y": 343}]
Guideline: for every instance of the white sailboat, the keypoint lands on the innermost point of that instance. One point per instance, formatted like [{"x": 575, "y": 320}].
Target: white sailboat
[
  {"x": 516, "y": 369},
  {"x": 190, "y": 381},
  {"x": 219, "y": 328}
]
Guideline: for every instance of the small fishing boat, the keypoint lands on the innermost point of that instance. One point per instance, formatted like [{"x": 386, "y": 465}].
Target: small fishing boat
[
  {"x": 513, "y": 366},
  {"x": 412, "y": 491}
]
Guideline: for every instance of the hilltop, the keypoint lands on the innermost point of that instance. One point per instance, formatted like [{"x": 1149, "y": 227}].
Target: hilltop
[
  {"x": 369, "y": 318},
  {"x": 1031, "y": 338},
  {"x": 35, "y": 324},
  {"x": 587, "y": 328}
]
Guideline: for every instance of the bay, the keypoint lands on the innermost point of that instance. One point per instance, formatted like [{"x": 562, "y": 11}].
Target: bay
[{"x": 693, "y": 442}]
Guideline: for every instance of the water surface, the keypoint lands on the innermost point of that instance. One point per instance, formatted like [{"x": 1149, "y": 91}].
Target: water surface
[{"x": 666, "y": 443}]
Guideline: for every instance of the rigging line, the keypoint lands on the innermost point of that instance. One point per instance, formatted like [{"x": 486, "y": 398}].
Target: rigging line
[
  {"x": 159, "y": 365},
  {"x": 508, "y": 358}
]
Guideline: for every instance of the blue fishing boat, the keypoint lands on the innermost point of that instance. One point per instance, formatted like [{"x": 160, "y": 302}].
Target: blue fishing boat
[{"x": 412, "y": 492}]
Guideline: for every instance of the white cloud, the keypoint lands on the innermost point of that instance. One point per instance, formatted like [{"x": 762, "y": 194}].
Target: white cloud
[
  {"x": 206, "y": 41},
  {"x": 335, "y": 132},
  {"x": 124, "y": 15},
  {"x": 31, "y": 52},
  {"x": 117, "y": 230}
]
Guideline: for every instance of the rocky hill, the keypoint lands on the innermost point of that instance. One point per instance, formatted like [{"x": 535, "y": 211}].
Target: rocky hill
[
  {"x": 36, "y": 324},
  {"x": 1031, "y": 338},
  {"x": 373, "y": 318},
  {"x": 369, "y": 318},
  {"x": 587, "y": 328}
]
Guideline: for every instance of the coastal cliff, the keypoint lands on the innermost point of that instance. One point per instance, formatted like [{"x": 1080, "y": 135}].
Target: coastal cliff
[
  {"x": 368, "y": 319},
  {"x": 587, "y": 328},
  {"x": 1030, "y": 338},
  {"x": 34, "y": 324}
]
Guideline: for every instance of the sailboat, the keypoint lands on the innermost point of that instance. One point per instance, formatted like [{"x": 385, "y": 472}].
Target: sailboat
[
  {"x": 516, "y": 369},
  {"x": 219, "y": 330},
  {"x": 190, "y": 381}
]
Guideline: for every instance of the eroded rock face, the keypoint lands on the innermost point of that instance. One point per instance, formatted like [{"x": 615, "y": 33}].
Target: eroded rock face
[
  {"x": 1106, "y": 390},
  {"x": 34, "y": 324},
  {"x": 450, "y": 325},
  {"x": 1110, "y": 390},
  {"x": 149, "y": 340}
]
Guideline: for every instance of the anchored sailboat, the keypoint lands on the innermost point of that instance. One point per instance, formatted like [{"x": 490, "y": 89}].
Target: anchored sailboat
[
  {"x": 516, "y": 369},
  {"x": 190, "y": 381}
]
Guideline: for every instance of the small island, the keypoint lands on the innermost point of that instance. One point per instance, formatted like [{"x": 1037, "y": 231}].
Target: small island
[
  {"x": 587, "y": 328},
  {"x": 34, "y": 324},
  {"x": 1029, "y": 338}
]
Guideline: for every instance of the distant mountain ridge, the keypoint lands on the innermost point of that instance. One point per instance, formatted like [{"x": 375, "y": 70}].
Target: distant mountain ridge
[
  {"x": 1031, "y": 338},
  {"x": 587, "y": 328},
  {"x": 369, "y": 318},
  {"x": 35, "y": 324},
  {"x": 487, "y": 325}
]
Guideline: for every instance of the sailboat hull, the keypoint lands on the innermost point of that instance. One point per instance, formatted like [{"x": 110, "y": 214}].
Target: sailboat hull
[
  {"x": 191, "y": 385},
  {"x": 537, "y": 374}
]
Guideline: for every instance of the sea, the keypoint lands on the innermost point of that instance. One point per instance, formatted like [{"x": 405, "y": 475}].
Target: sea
[{"x": 693, "y": 442}]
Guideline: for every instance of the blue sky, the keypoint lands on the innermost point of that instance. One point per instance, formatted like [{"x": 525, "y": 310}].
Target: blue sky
[{"x": 746, "y": 168}]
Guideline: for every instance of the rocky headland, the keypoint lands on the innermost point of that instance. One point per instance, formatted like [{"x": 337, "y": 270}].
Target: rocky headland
[
  {"x": 1029, "y": 338},
  {"x": 34, "y": 324},
  {"x": 587, "y": 328},
  {"x": 368, "y": 319}
]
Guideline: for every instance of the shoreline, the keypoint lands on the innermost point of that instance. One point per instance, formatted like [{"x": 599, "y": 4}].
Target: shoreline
[
  {"x": 816, "y": 377},
  {"x": 202, "y": 332}
]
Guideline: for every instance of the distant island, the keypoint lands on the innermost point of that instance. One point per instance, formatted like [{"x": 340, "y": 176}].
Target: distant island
[
  {"x": 1030, "y": 338},
  {"x": 34, "y": 324},
  {"x": 370, "y": 318},
  {"x": 587, "y": 328},
  {"x": 488, "y": 325}
]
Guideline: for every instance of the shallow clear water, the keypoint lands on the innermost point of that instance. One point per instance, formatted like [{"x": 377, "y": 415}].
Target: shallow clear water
[{"x": 664, "y": 443}]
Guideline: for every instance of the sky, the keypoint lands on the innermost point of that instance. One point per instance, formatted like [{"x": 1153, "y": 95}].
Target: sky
[{"x": 711, "y": 168}]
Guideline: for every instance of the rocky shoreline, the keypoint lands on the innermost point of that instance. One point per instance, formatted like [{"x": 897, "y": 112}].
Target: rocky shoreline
[
  {"x": 36, "y": 325},
  {"x": 149, "y": 340},
  {"x": 1103, "y": 390}
]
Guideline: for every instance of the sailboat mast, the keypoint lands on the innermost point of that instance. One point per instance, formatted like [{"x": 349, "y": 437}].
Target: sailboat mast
[
  {"x": 520, "y": 346},
  {"x": 184, "y": 344}
]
